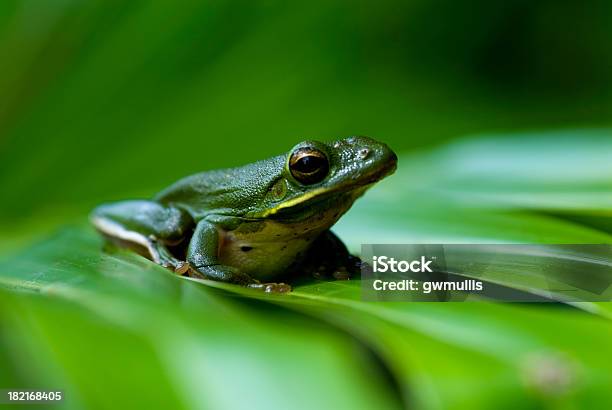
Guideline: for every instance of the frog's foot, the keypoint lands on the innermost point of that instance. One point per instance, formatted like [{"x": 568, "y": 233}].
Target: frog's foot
[
  {"x": 324, "y": 273},
  {"x": 341, "y": 272},
  {"x": 178, "y": 267},
  {"x": 329, "y": 259},
  {"x": 168, "y": 261},
  {"x": 271, "y": 287},
  {"x": 231, "y": 275}
]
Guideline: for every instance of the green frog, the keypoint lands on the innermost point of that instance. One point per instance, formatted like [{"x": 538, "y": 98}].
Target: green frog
[{"x": 253, "y": 224}]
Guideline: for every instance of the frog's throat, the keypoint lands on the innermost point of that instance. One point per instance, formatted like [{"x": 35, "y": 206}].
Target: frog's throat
[{"x": 294, "y": 201}]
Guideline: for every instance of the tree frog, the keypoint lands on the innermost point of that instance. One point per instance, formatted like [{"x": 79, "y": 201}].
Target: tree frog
[{"x": 252, "y": 224}]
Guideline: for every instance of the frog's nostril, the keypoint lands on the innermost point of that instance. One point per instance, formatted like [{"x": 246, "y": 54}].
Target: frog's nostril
[{"x": 363, "y": 153}]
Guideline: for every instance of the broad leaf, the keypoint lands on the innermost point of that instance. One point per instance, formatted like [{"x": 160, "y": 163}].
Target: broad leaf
[{"x": 73, "y": 310}]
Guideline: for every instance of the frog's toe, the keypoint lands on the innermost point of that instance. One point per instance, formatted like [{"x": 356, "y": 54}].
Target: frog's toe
[
  {"x": 277, "y": 288},
  {"x": 193, "y": 273},
  {"x": 182, "y": 268},
  {"x": 324, "y": 272},
  {"x": 320, "y": 272},
  {"x": 176, "y": 266},
  {"x": 341, "y": 274},
  {"x": 271, "y": 287}
]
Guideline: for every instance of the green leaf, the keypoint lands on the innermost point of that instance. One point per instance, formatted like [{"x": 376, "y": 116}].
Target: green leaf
[
  {"x": 129, "y": 309},
  {"x": 96, "y": 322},
  {"x": 111, "y": 330}
]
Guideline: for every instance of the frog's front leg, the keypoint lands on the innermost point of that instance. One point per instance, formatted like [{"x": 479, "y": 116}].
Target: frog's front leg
[
  {"x": 328, "y": 257},
  {"x": 202, "y": 256},
  {"x": 146, "y": 227}
]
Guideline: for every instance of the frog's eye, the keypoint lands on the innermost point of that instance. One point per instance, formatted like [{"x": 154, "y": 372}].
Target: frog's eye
[{"x": 308, "y": 165}]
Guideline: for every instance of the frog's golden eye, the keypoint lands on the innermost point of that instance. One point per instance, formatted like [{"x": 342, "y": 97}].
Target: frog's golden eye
[{"x": 308, "y": 165}]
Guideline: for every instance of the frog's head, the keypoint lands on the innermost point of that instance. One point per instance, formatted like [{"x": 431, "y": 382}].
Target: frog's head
[{"x": 320, "y": 181}]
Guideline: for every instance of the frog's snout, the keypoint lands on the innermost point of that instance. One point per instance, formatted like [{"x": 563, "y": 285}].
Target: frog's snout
[
  {"x": 366, "y": 148},
  {"x": 392, "y": 161},
  {"x": 374, "y": 157},
  {"x": 389, "y": 163}
]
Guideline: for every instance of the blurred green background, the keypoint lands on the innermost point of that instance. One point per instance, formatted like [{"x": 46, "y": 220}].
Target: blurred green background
[{"x": 106, "y": 100}]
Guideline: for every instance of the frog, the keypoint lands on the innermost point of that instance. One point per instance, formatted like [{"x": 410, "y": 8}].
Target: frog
[{"x": 253, "y": 224}]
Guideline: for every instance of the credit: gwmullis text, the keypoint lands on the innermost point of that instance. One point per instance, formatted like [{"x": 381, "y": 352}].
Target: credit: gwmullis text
[{"x": 383, "y": 264}]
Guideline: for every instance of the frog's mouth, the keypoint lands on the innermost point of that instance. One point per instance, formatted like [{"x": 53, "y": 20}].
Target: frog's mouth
[{"x": 324, "y": 209}]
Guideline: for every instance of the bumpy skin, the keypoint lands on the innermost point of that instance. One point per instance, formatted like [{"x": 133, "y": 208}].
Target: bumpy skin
[{"x": 255, "y": 222}]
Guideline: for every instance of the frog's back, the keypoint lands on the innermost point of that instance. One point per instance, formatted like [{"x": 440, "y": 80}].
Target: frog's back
[{"x": 231, "y": 191}]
